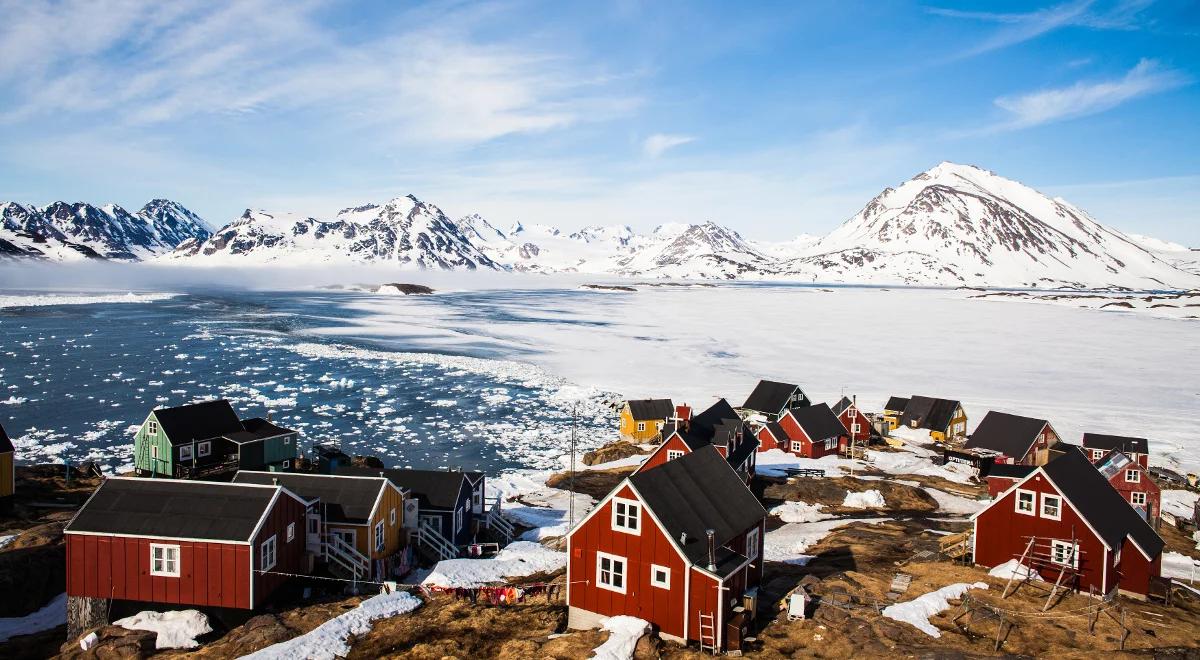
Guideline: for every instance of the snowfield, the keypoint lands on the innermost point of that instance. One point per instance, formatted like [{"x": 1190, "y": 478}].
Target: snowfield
[
  {"x": 328, "y": 640},
  {"x": 51, "y": 299},
  {"x": 917, "y": 611}
]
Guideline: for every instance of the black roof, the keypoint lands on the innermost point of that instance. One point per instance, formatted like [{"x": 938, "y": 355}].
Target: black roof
[
  {"x": 344, "y": 499},
  {"x": 1100, "y": 504},
  {"x": 173, "y": 508},
  {"x": 841, "y": 406},
  {"x": 697, "y": 492},
  {"x": 897, "y": 403},
  {"x": 819, "y": 422},
  {"x": 1010, "y": 471},
  {"x": 6, "y": 445},
  {"x": 929, "y": 413},
  {"x": 1012, "y": 435},
  {"x": 1121, "y": 442},
  {"x": 647, "y": 409},
  {"x": 198, "y": 421},
  {"x": 329, "y": 451},
  {"x": 770, "y": 397},
  {"x": 716, "y": 425},
  {"x": 434, "y": 489},
  {"x": 714, "y": 415},
  {"x": 257, "y": 428},
  {"x": 777, "y": 431}
]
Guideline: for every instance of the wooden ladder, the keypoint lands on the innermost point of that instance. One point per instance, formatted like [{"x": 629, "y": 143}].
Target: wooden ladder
[
  {"x": 708, "y": 633},
  {"x": 1028, "y": 571}
]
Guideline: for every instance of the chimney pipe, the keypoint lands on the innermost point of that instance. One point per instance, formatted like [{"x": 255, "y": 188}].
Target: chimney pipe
[
  {"x": 712, "y": 550},
  {"x": 275, "y": 480},
  {"x": 682, "y": 538}
]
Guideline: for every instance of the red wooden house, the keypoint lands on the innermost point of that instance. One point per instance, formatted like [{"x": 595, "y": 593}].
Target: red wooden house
[
  {"x": 855, "y": 421},
  {"x": 679, "y": 545},
  {"x": 1132, "y": 480},
  {"x": 718, "y": 426},
  {"x": 182, "y": 542},
  {"x": 1064, "y": 519},
  {"x": 1002, "y": 476},
  {"x": 1020, "y": 440},
  {"x": 1097, "y": 446},
  {"x": 813, "y": 431},
  {"x": 772, "y": 436}
]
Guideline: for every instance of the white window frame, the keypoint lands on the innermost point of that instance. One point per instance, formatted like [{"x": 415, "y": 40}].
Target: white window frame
[
  {"x": 291, "y": 531},
  {"x": 185, "y": 453},
  {"x": 458, "y": 520},
  {"x": 797, "y": 446},
  {"x": 855, "y": 428},
  {"x": 1133, "y": 476},
  {"x": 673, "y": 454},
  {"x": 287, "y": 463},
  {"x": 664, "y": 583},
  {"x": 1057, "y": 515},
  {"x": 267, "y": 551},
  {"x": 623, "y": 511},
  {"x": 151, "y": 428},
  {"x": 641, "y": 426},
  {"x": 380, "y": 536},
  {"x": 613, "y": 561},
  {"x": 752, "y": 544},
  {"x": 1135, "y": 496},
  {"x": 1056, "y": 544},
  {"x": 831, "y": 443},
  {"x": 204, "y": 449},
  {"x": 1032, "y": 502},
  {"x": 287, "y": 439},
  {"x": 170, "y": 556},
  {"x": 392, "y": 517},
  {"x": 1097, "y": 454},
  {"x": 154, "y": 452}
]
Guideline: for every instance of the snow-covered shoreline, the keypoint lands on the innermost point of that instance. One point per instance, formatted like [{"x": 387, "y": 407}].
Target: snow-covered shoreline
[{"x": 53, "y": 299}]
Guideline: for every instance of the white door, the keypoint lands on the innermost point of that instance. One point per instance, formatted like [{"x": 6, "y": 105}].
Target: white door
[{"x": 313, "y": 535}]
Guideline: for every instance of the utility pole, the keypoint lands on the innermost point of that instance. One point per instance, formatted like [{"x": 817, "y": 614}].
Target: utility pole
[{"x": 571, "y": 476}]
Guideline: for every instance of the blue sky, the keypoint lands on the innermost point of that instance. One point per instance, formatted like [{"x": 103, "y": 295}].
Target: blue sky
[{"x": 774, "y": 119}]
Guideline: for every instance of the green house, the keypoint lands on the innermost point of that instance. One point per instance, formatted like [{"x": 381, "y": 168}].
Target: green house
[{"x": 203, "y": 439}]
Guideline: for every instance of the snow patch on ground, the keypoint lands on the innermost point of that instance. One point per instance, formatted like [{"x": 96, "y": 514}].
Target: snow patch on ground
[
  {"x": 53, "y": 615},
  {"x": 916, "y": 612},
  {"x": 518, "y": 559},
  {"x": 868, "y": 499},
  {"x": 176, "y": 630},
  {"x": 46, "y": 300},
  {"x": 1179, "y": 503},
  {"x": 1180, "y": 566},
  {"x": 623, "y": 635},
  {"x": 789, "y": 543},
  {"x": 950, "y": 503},
  {"x": 545, "y": 509},
  {"x": 800, "y": 512},
  {"x": 328, "y": 640},
  {"x": 1014, "y": 569}
]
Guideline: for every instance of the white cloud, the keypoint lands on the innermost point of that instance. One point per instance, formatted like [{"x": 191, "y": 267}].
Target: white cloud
[
  {"x": 657, "y": 144},
  {"x": 1082, "y": 98}
]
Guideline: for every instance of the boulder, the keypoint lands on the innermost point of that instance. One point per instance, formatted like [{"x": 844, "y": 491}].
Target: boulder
[
  {"x": 112, "y": 642},
  {"x": 612, "y": 452}
]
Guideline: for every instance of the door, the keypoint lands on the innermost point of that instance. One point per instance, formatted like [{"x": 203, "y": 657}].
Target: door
[
  {"x": 347, "y": 535},
  {"x": 433, "y": 521},
  {"x": 313, "y": 536}
]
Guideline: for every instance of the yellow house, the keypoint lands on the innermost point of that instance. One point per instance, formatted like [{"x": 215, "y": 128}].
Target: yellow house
[
  {"x": 945, "y": 419},
  {"x": 8, "y": 466},
  {"x": 893, "y": 410},
  {"x": 642, "y": 420}
]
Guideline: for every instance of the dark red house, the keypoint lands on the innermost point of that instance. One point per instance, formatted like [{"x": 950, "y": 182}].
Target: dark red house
[
  {"x": 1003, "y": 476},
  {"x": 1079, "y": 525},
  {"x": 857, "y": 424},
  {"x": 679, "y": 545},
  {"x": 1097, "y": 446},
  {"x": 1132, "y": 480},
  {"x": 720, "y": 427},
  {"x": 180, "y": 542},
  {"x": 813, "y": 431},
  {"x": 772, "y": 436},
  {"x": 1018, "y": 439}
]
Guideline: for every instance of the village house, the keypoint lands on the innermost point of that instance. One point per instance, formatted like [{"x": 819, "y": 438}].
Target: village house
[
  {"x": 1068, "y": 523},
  {"x": 856, "y": 422},
  {"x": 771, "y": 399},
  {"x": 893, "y": 410},
  {"x": 945, "y": 419},
  {"x": 718, "y": 426},
  {"x": 1017, "y": 439},
  {"x": 679, "y": 545},
  {"x": 1097, "y": 446},
  {"x": 176, "y": 542},
  {"x": 772, "y": 436},
  {"x": 446, "y": 513},
  {"x": 1132, "y": 480},
  {"x": 1002, "y": 476},
  {"x": 205, "y": 439},
  {"x": 643, "y": 419},
  {"x": 328, "y": 458},
  {"x": 813, "y": 432},
  {"x": 8, "y": 468},
  {"x": 354, "y": 524}
]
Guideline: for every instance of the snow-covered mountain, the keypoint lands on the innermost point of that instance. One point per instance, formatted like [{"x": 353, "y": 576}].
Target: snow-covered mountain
[
  {"x": 962, "y": 225},
  {"x": 66, "y": 232},
  {"x": 1180, "y": 256},
  {"x": 404, "y": 231}
]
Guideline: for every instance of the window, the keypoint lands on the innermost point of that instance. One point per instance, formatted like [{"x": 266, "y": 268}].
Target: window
[
  {"x": 287, "y": 464},
  {"x": 626, "y": 515},
  {"x": 660, "y": 576},
  {"x": 1133, "y": 476},
  {"x": 1064, "y": 553},
  {"x": 267, "y": 554},
  {"x": 287, "y": 439},
  {"x": 673, "y": 454},
  {"x": 1097, "y": 454},
  {"x": 1052, "y": 507},
  {"x": 152, "y": 428},
  {"x": 164, "y": 560},
  {"x": 204, "y": 448},
  {"x": 379, "y": 537},
  {"x": 185, "y": 453},
  {"x": 458, "y": 519},
  {"x": 855, "y": 428},
  {"x": 1025, "y": 500},
  {"x": 314, "y": 525},
  {"x": 831, "y": 443},
  {"x": 1138, "y": 498},
  {"x": 641, "y": 426},
  {"x": 154, "y": 451},
  {"x": 610, "y": 572},
  {"x": 291, "y": 531},
  {"x": 852, "y": 413},
  {"x": 477, "y": 500},
  {"x": 392, "y": 517},
  {"x": 752, "y": 544},
  {"x": 797, "y": 446}
]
